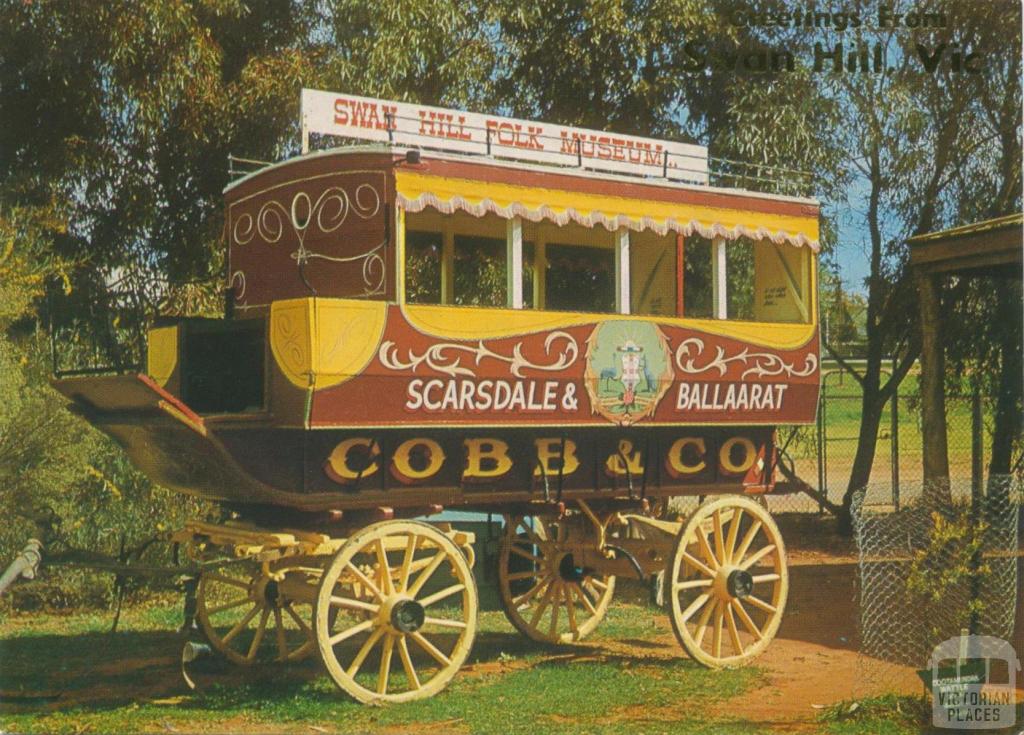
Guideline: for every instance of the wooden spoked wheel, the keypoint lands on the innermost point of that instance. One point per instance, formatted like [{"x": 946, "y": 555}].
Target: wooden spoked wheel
[
  {"x": 246, "y": 617},
  {"x": 727, "y": 582},
  {"x": 545, "y": 592},
  {"x": 395, "y": 613}
]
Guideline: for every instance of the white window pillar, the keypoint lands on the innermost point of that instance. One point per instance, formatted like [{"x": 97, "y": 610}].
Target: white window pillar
[
  {"x": 622, "y": 271},
  {"x": 514, "y": 262},
  {"x": 719, "y": 303}
]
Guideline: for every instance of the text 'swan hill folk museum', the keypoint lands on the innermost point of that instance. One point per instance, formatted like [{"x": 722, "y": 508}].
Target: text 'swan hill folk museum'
[{"x": 640, "y": 336}]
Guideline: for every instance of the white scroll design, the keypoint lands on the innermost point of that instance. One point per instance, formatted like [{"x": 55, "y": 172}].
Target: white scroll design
[
  {"x": 761, "y": 364},
  {"x": 438, "y": 357},
  {"x": 323, "y": 216}
]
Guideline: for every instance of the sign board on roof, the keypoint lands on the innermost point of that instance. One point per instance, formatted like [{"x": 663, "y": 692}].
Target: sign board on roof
[{"x": 421, "y": 126}]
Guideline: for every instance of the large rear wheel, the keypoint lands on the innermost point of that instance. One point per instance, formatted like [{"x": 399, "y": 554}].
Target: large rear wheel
[
  {"x": 395, "y": 613},
  {"x": 727, "y": 582}
]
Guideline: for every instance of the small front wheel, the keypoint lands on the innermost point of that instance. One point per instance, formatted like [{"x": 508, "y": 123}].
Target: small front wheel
[{"x": 546, "y": 593}]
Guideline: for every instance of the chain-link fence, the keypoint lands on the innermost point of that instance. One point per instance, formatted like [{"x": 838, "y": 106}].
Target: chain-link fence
[
  {"x": 945, "y": 562},
  {"x": 822, "y": 455}
]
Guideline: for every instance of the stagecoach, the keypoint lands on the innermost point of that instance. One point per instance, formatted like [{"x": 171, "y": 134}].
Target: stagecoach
[{"x": 564, "y": 327}]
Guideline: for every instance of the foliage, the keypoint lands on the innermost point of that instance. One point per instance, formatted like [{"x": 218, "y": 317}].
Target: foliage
[{"x": 950, "y": 561}]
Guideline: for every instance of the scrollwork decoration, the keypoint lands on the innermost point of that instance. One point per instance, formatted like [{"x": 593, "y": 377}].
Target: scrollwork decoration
[
  {"x": 761, "y": 364},
  {"x": 438, "y": 357},
  {"x": 324, "y": 215}
]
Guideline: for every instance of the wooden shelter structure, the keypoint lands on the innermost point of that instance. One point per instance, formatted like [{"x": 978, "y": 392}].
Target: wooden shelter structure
[{"x": 990, "y": 248}]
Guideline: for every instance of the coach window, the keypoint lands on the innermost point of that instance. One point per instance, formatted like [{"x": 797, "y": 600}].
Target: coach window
[
  {"x": 781, "y": 282},
  {"x": 739, "y": 279},
  {"x": 652, "y": 273},
  {"x": 698, "y": 286},
  {"x": 573, "y": 267},
  {"x": 455, "y": 259}
]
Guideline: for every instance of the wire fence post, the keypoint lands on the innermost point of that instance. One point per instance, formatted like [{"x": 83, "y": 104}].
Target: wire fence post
[
  {"x": 822, "y": 477},
  {"x": 894, "y": 438}
]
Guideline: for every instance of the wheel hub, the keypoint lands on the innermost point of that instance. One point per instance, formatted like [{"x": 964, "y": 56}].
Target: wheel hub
[
  {"x": 271, "y": 592},
  {"x": 569, "y": 571},
  {"x": 739, "y": 583},
  {"x": 407, "y": 616}
]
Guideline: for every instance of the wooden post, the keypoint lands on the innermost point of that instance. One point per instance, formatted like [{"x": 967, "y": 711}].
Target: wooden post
[
  {"x": 622, "y": 271},
  {"x": 719, "y": 301},
  {"x": 514, "y": 262},
  {"x": 933, "y": 400}
]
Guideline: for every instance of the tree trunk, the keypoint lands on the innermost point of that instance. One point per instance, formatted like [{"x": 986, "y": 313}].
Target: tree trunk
[{"x": 867, "y": 442}]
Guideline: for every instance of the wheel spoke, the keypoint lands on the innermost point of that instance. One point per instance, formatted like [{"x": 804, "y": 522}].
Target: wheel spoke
[
  {"x": 734, "y": 528},
  {"x": 244, "y": 584},
  {"x": 690, "y": 584},
  {"x": 240, "y": 625},
  {"x": 734, "y": 634},
  {"x": 350, "y": 604},
  {"x": 410, "y": 554},
  {"x": 258, "y": 638},
  {"x": 744, "y": 616},
  {"x": 716, "y": 633},
  {"x": 757, "y": 556},
  {"x": 375, "y": 636},
  {"x": 385, "y": 569},
  {"x": 525, "y": 554},
  {"x": 443, "y": 622},
  {"x": 719, "y": 537},
  {"x": 282, "y": 645},
  {"x": 696, "y": 563},
  {"x": 705, "y": 548},
  {"x": 426, "y": 573},
  {"x": 530, "y": 593},
  {"x": 694, "y": 607},
  {"x": 556, "y": 603},
  {"x": 585, "y": 599},
  {"x": 748, "y": 539},
  {"x": 758, "y": 578},
  {"x": 430, "y": 648},
  {"x": 410, "y": 670},
  {"x": 349, "y": 632},
  {"x": 228, "y": 605},
  {"x": 761, "y": 604},
  {"x": 298, "y": 620},
  {"x": 602, "y": 586},
  {"x": 570, "y": 609},
  {"x": 367, "y": 582},
  {"x": 515, "y": 576},
  {"x": 702, "y": 622},
  {"x": 543, "y": 604},
  {"x": 442, "y": 594},
  {"x": 385, "y": 664}
]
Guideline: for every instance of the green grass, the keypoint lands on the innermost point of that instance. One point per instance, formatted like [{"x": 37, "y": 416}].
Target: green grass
[{"x": 69, "y": 674}]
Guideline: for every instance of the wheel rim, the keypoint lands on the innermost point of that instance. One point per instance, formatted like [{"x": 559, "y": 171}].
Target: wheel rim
[
  {"x": 395, "y": 612},
  {"x": 727, "y": 582},
  {"x": 544, "y": 591},
  {"x": 245, "y": 617}
]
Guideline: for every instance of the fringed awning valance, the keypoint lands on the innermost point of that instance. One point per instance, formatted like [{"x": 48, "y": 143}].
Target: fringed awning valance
[{"x": 417, "y": 192}]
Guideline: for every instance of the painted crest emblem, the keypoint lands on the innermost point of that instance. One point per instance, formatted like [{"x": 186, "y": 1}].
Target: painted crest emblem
[{"x": 628, "y": 370}]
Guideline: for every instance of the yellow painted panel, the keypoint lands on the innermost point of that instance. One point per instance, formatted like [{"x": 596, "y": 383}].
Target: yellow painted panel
[
  {"x": 162, "y": 354},
  {"x": 323, "y": 342},
  {"x": 554, "y": 203},
  {"x": 474, "y": 323}
]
